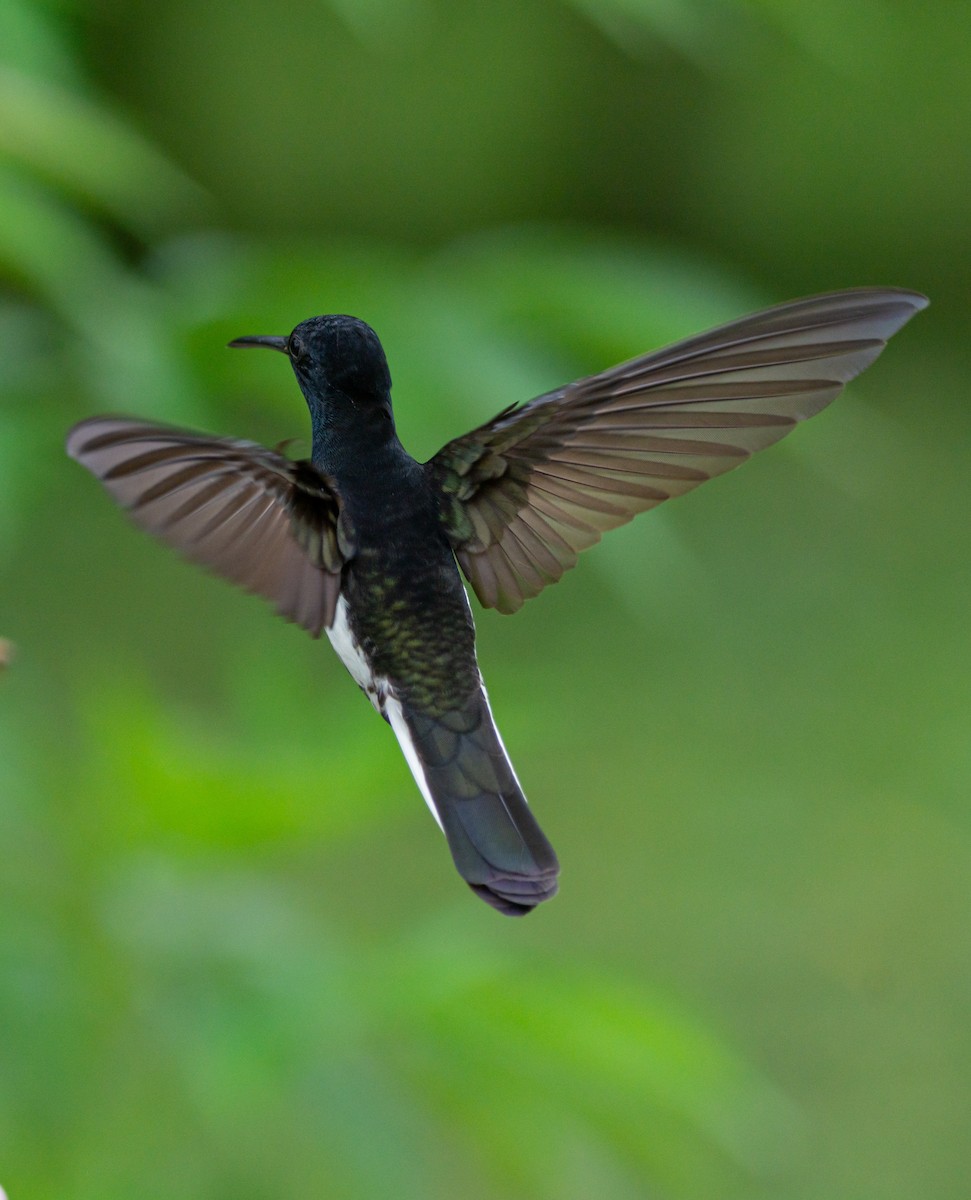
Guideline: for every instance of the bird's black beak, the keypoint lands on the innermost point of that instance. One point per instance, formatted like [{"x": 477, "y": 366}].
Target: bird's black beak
[{"x": 271, "y": 343}]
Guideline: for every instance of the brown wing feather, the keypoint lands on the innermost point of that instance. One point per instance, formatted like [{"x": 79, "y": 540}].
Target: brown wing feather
[
  {"x": 266, "y": 523},
  {"x": 525, "y": 493}
]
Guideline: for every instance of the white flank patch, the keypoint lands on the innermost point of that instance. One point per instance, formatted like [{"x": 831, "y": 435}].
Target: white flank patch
[
  {"x": 393, "y": 711},
  {"x": 352, "y": 656},
  {"x": 495, "y": 727},
  {"x": 378, "y": 692},
  {"x": 502, "y": 744}
]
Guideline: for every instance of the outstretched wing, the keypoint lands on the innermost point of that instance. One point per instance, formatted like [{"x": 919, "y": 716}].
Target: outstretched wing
[
  {"x": 522, "y": 495},
  {"x": 271, "y": 525}
]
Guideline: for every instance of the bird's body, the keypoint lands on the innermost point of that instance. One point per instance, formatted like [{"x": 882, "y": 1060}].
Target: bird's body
[
  {"x": 363, "y": 541},
  {"x": 401, "y": 584},
  {"x": 403, "y": 629}
]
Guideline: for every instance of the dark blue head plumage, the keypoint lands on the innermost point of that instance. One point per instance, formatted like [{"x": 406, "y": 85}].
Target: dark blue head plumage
[
  {"x": 339, "y": 354},
  {"x": 343, "y": 373}
]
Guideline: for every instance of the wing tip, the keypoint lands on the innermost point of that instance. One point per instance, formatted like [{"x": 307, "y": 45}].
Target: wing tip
[
  {"x": 83, "y": 434},
  {"x": 908, "y": 295},
  {"x": 75, "y": 441},
  {"x": 911, "y": 301}
]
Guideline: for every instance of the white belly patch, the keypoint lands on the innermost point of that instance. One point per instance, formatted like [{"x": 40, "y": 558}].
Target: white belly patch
[
  {"x": 352, "y": 656},
  {"x": 378, "y": 691}
]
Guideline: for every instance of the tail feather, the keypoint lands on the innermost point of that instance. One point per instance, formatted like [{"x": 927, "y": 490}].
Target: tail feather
[{"x": 462, "y": 768}]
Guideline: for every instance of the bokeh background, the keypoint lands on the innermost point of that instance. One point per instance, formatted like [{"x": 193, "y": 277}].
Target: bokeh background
[{"x": 235, "y": 961}]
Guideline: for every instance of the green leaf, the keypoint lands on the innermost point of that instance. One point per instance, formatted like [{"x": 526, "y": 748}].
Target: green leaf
[{"x": 87, "y": 151}]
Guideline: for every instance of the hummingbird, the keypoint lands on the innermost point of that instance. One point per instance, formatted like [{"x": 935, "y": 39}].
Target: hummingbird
[{"x": 365, "y": 543}]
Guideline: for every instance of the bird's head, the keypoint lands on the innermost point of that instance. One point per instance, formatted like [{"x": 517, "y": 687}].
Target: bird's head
[{"x": 340, "y": 366}]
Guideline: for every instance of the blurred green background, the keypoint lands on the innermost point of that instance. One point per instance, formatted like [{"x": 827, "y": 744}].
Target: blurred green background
[{"x": 235, "y": 960}]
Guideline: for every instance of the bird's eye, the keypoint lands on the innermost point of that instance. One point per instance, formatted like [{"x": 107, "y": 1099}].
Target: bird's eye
[{"x": 295, "y": 348}]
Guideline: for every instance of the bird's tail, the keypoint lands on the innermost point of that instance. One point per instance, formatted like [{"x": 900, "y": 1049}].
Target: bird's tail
[{"x": 459, "y": 762}]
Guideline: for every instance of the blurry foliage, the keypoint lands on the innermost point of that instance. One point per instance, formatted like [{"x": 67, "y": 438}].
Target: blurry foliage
[{"x": 234, "y": 960}]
